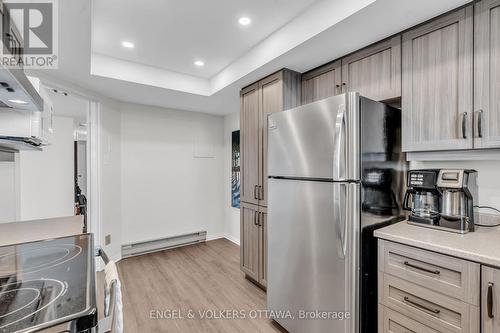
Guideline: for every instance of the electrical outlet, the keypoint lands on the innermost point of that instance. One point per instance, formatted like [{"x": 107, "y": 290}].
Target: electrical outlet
[{"x": 107, "y": 240}]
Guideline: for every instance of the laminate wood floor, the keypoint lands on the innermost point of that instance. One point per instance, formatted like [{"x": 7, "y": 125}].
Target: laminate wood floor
[{"x": 196, "y": 278}]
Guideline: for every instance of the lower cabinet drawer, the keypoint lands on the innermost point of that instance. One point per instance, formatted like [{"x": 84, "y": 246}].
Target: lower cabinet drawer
[
  {"x": 390, "y": 321},
  {"x": 438, "y": 311},
  {"x": 451, "y": 276}
]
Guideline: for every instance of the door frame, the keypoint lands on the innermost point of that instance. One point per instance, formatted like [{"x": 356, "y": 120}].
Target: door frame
[{"x": 94, "y": 224}]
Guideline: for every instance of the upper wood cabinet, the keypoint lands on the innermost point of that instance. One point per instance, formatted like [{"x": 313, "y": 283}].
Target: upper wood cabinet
[
  {"x": 271, "y": 101},
  {"x": 437, "y": 84},
  {"x": 277, "y": 92},
  {"x": 374, "y": 72},
  {"x": 322, "y": 82},
  {"x": 490, "y": 297},
  {"x": 487, "y": 74},
  {"x": 249, "y": 134}
]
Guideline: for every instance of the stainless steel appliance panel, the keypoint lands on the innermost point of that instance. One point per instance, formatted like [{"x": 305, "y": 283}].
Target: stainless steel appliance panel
[
  {"x": 313, "y": 233},
  {"x": 318, "y": 140}
]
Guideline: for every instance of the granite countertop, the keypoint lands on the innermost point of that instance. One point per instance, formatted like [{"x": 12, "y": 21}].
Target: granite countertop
[
  {"x": 35, "y": 230},
  {"x": 482, "y": 246}
]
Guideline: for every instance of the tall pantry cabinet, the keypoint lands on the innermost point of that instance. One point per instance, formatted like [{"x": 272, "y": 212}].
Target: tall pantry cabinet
[{"x": 277, "y": 92}]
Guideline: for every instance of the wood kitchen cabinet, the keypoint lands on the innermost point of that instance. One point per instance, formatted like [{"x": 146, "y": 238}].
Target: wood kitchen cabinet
[
  {"x": 253, "y": 239},
  {"x": 424, "y": 291},
  {"x": 277, "y": 92},
  {"x": 249, "y": 145},
  {"x": 487, "y": 74},
  {"x": 490, "y": 296},
  {"x": 438, "y": 84},
  {"x": 322, "y": 82},
  {"x": 374, "y": 72},
  {"x": 249, "y": 240}
]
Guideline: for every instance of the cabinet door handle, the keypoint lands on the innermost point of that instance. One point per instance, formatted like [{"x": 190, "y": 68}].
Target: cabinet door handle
[
  {"x": 261, "y": 193},
  {"x": 344, "y": 87},
  {"x": 255, "y": 192},
  {"x": 480, "y": 123},
  {"x": 258, "y": 219},
  {"x": 337, "y": 89},
  {"x": 464, "y": 125},
  {"x": 255, "y": 218},
  {"x": 420, "y": 306},
  {"x": 489, "y": 301},
  {"x": 436, "y": 272}
]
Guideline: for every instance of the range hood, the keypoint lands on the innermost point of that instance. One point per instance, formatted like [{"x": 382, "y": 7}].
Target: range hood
[
  {"x": 25, "y": 116},
  {"x": 16, "y": 90},
  {"x": 16, "y": 87}
]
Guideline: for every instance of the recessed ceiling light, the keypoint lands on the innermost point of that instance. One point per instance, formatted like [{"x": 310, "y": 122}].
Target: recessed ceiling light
[
  {"x": 199, "y": 63},
  {"x": 18, "y": 101},
  {"x": 244, "y": 20},
  {"x": 128, "y": 45}
]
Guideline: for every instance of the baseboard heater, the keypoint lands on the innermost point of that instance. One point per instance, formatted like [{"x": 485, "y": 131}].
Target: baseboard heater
[{"x": 135, "y": 249}]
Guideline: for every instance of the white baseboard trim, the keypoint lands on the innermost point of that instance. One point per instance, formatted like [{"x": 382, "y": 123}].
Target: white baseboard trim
[
  {"x": 223, "y": 235},
  {"x": 232, "y": 239},
  {"x": 211, "y": 237}
]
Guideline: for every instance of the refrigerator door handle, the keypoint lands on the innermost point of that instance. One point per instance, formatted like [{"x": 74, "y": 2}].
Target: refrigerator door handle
[
  {"x": 339, "y": 163},
  {"x": 340, "y": 202}
]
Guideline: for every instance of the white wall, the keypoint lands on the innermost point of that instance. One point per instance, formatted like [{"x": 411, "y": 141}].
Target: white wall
[
  {"x": 8, "y": 193},
  {"x": 488, "y": 178},
  {"x": 110, "y": 191},
  {"x": 46, "y": 184},
  {"x": 231, "y": 214},
  {"x": 166, "y": 190}
]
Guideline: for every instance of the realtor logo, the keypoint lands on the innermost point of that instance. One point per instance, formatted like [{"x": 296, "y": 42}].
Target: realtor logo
[{"x": 30, "y": 33}]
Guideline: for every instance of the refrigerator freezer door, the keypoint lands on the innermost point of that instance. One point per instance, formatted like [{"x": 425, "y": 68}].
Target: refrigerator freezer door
[
  {"x": 318, "y": 140},
  {"x": 313, "y": 232}
]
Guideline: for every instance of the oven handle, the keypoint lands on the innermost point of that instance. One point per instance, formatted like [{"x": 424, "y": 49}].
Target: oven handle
[{"x": 113, "y": 312}]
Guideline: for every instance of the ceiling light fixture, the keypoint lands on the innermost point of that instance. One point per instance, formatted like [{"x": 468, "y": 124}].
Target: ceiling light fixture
[
  {"x": 244, "y": 21},
  {"x": 199, "y": 63},
  {"x": 128, "y": 45},
  {"x": 18, "y": 101}
]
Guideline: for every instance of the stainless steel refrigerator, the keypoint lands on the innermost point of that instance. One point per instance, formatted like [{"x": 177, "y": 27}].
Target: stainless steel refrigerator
[{"x": 336, "y": 173}]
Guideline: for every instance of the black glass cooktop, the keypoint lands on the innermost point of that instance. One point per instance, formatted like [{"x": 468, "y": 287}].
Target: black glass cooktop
[{"x": 46, "y": 283}]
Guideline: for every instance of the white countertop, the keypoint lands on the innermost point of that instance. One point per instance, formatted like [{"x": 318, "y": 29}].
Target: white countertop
[
  {"x": 481, "y": 246},
  {"x": 35, "y": 230}
]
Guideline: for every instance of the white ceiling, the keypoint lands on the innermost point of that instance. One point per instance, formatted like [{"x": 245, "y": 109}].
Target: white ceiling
[
  {"x": 326, "y": 30},
  {"x": 69, "y": 105},
  {"x": 172, "y": 34}
]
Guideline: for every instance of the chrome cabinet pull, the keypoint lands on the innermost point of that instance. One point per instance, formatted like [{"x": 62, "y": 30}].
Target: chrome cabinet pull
[
  {"x": 420, "y": 306},
  {"x": 260, "y": 219},
  {"x": 489, "y": 301},
  {"x": 255, "y": 192},
  {"x": 255, "y": 217},
  {"x": 464, "y": 125},
  {"x": 480, "y": 123},
  {"x": 337, "y": 89},
  {"x": 436, "y": 272}
]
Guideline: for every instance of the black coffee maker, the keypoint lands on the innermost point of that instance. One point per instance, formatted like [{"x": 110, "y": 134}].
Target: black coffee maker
[
  {"x": 378, "y": 195},
  {"x": 422, "y": 198}
]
